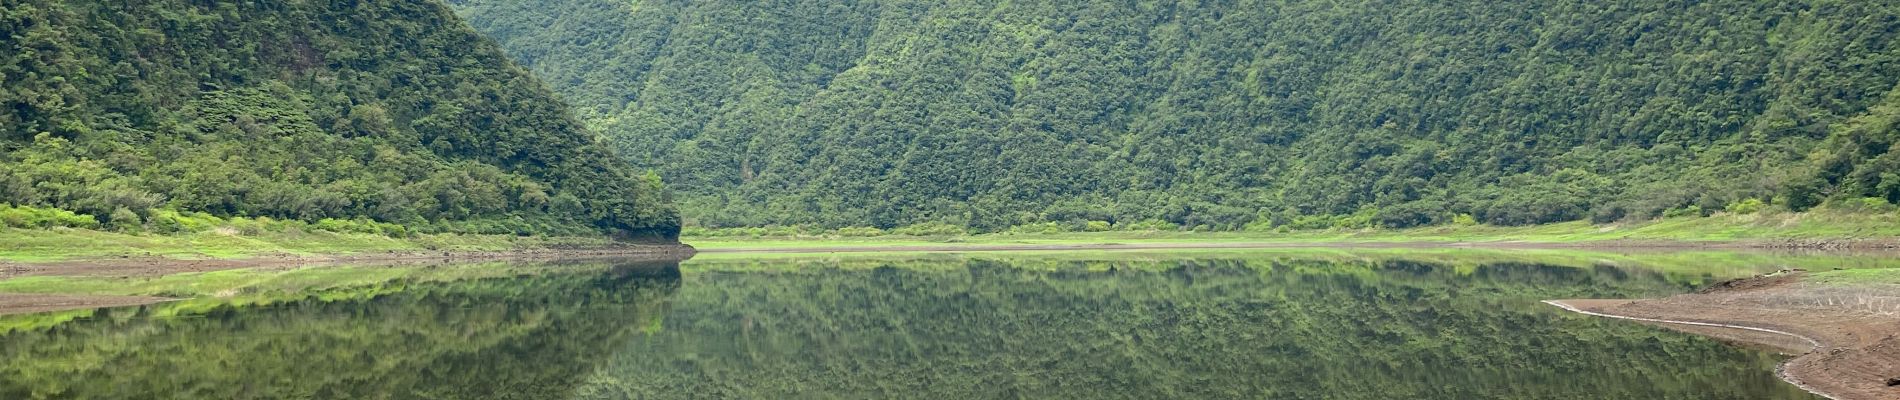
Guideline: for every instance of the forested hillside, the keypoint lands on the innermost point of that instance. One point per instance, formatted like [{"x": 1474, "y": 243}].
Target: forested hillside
[
  {"x": 383, "y": 116},
  {"x": 1228, "y": 114}
]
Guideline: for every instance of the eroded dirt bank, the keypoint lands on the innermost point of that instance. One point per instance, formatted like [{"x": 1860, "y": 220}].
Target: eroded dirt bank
[
  {"x": 35, "y": 303},
  {"x": 1847, "y": 336}
]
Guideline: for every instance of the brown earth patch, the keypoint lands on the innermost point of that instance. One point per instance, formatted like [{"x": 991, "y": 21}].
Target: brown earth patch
[
  {"x": 36, "y": 303},
  {"x": 1857, "y": 327}
]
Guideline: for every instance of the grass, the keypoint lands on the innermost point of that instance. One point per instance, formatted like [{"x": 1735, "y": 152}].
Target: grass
[
  {"x": 255, "y": 281},
  {"x": 202, "y": 291},
  {"x": 1694, "y": 265},
  {"x": 60, "y": 244},
  {"x": 1714, "y": 229},
  {"x": 1854, "y": 277}
]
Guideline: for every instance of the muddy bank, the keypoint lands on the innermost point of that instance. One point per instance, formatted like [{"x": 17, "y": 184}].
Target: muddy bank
[
  {"x": 36, "y": 303},
  {"x": 1846, "y": 338},
  {"x": 152, "y": 266}
]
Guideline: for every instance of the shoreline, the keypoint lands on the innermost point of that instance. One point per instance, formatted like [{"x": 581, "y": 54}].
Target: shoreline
[
  {"x": 1841, "y": 351},
  {"x": 148, "y": 266},
  {"x": 830, "y": 246},
  {"x": 1781, "y": 370},
  {"x": 31, "y": 303}
]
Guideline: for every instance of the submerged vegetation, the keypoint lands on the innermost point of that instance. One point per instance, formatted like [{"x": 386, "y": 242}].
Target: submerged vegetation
[
  {"x": 993, "y": 115},
  {"x": 389, "y": 118}
]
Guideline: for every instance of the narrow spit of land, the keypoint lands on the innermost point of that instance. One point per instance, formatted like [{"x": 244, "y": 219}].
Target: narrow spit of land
[
  {"x": 1846, "y": 335},
  {"x": 146, "y": 267}
]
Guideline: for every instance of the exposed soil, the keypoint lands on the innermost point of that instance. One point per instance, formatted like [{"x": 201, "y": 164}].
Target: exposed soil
[
  {"x": 35, "y": 303},
  {"x": 153, "y": 266},
  {"x": 1847, "y": 337}
]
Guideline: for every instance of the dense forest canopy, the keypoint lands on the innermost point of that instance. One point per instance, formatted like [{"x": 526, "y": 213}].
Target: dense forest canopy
[
  {"x": 1221, "y": 114},
  {"x": 142, "y": 114}
]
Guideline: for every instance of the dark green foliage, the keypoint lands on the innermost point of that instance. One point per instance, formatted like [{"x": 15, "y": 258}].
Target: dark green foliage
[
  {"x": 1862, "y": 160},
  {"x": 308, "y": 110},
  {"x": 1213, "y": 115}
]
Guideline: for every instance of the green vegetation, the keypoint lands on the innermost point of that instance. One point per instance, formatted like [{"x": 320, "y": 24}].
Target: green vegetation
[
  {"x": 1858, "y": 277},
  {"x": 485, "y": 331},
  {"x": 1724, "y": 228},
  {"x": 990, "y": 115},
  {"x": 295, "y": 239},
  {"x": 1285, "y": 325},
  {"x": 383, "y": 118}
]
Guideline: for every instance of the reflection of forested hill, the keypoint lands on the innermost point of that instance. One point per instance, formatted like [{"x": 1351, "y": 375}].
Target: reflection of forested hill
[
  {"x": 1174, "y": 329},
  {"x": 528, "y": 337},
  {"x": 944, "y": 327}
]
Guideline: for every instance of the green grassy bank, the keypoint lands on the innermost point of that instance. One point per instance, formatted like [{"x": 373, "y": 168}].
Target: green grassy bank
[
  {"x": 65, "y": 244},
  {"x": 1717, "y": 229}
]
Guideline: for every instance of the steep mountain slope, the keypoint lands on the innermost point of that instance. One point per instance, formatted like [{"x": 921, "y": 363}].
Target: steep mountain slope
[
  {"x": 392, "y": 111},
  {"x": 1224, "y": 113}
]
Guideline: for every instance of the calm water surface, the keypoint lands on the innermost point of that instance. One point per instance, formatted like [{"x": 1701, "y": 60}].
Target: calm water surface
[{"x": 1227, "y": 325}]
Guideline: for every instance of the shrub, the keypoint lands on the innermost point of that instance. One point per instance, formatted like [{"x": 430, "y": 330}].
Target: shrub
[
  {"x": 1745, "y": 206},
  {"x": 1311, "y": 222},
  {"x": 1417, "y": 213},
  {"x": 42, "y": 218},
  {"x": 859, "y": 232},
  {"x": 1040, "y": 228},
  {"x": 351, "y": 226},
  {"x": 1861, "y": 205},
  {"x": 1150, "y": 225},
  {"x": 929, "y": 229},
  {"x": 173, "y": 221},
  {"x": 1685, "y": 211},
  {"x": 123, "y": 219}
]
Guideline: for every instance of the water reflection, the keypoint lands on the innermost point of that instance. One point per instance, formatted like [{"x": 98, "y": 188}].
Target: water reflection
[{"x": 964, "y": 327}]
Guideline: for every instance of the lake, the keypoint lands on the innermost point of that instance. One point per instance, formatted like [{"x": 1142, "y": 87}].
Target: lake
[{"x": 1293, "y": 324}]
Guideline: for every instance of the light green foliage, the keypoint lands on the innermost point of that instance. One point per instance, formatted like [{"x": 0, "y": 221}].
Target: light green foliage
[
  {"x": 166, "y": 116},
  {"x": 1746, "y": 206},
  {"x": 42, "y": 218},
  {"x": 1149, "y": 225},
  {"x": 930, "y": 229},
  {"x": 1861, "y": 205},
  {"x": 1214, "y": 115},
  {"x": 859, "y": 232},
  {"x": 1686, "y": 211}
]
